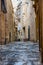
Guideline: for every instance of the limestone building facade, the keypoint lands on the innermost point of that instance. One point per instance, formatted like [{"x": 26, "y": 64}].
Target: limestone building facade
[
  {"x": 2, "y": 21},
  {"x": 10, "y": 21},
  {"x": 39, "y": 17},
  {"x": 6, "y": 21},
  {"x": 27, "y": 19}
]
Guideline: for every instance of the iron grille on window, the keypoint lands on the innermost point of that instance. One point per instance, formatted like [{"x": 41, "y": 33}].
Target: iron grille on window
[{"x": 3, "y": 7}]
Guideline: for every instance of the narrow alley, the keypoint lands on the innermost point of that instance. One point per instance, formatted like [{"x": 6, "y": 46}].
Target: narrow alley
[
  {"x": 21, "y": 32},
  {"x": 20, "y": 53}
]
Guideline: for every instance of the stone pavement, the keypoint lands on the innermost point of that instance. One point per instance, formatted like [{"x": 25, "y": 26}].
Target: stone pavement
[{"x": 20, "y": 53}]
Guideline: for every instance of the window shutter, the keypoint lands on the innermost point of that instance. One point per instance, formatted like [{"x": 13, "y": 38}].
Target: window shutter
[{"x": 3, "y": 7}]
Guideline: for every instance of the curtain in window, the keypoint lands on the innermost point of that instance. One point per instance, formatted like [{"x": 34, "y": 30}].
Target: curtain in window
[{"x": 3, "y": 7}]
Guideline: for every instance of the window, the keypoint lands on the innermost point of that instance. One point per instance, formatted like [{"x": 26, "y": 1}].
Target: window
[{"x": 3, "y": 7}]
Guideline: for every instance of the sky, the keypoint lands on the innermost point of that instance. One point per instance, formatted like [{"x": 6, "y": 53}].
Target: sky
[{"x": 14, "y": 2}]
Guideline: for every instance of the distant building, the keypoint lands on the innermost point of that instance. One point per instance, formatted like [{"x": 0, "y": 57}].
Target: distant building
[
  {"x": 19, "y": 15},
  {"x": 26, "y": 16}
]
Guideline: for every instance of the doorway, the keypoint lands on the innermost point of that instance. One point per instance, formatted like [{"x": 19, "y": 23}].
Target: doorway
[
  {"x": 28, "y": 32},
  {"x": 9, "y": 36}
]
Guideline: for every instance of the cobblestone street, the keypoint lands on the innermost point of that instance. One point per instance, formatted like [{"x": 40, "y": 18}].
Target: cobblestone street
[{"x": 20, "y": 53}]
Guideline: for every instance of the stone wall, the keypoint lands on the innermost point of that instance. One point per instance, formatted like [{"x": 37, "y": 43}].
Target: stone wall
[
  {"x": 6, "y": 23},
  {"x": 2, "y": 28},
  {"x": 10, "y": 21}
]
